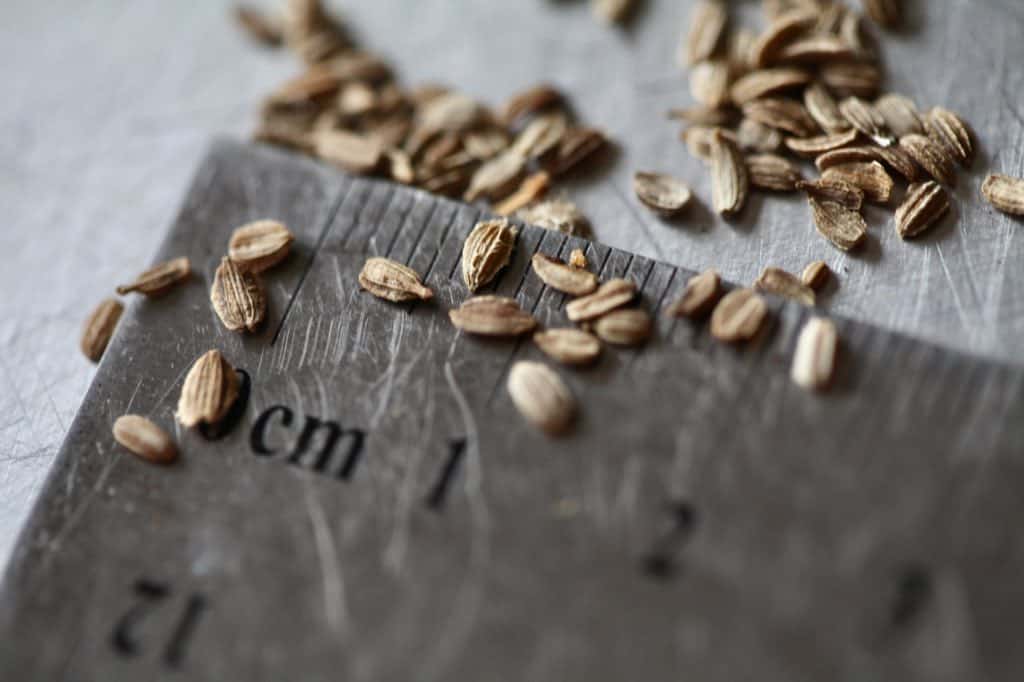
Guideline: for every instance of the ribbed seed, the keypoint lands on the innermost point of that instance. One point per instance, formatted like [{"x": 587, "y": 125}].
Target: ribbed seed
[
  {"x": 811, "y": 147},
  {"x": 707, "y": 26},
  {"x": 872, "y": 178},
  {"x": 497, "y": 177},
  {"x": 560, "y": 215},
  {"x": 922, "y": 207},
  {"x": 931, "y": 157},
  {"x": 699, "y": 296},
  {"x": 355, "y": 153},
  {"x": 814, "y": 360},
  {"x": 237, "y": 297},
  {"x": 782, "y": 30},
  {"x": 782, "y": 114},
  {"x": 816, "y": 275},
  {"x": 159, "y": 279},
  {"x": 861, "y": 79},
  {"x": 99, "y": 327},
  {"x": 486, "y": 251},
  {"x": 738, "y": 316},
  {"x": 893, "y": 157},
  {"x": 952, "y": 133},
  {"x": 624, "y": 327},
  {"x": 209, "y": 390},
  {"x": 661, "y": 192},
  {"x": 846, "y": 229},
  {"x": 709, "y": 82},
  {"x": 562, "y": 277},
  {"x": 900, "y": 115},
  {"x": 259, "y": 245},
  {"x": 822, "y": 107},
  {"x": 541, "y": 396},
  {"x": 839, "y": 191},
  {"x": 863, "y": 117},
  {"x": 1005, "y": 193},
  {"x": 609, "y": 296},
  {"x": 755, "y": 136},
  {"x": 729, "y": 181},
  {"x": 772, "y": 172},
  {"x": 781, "y": 283},
  {"x": 392, "y": 281},
  {"x": 764, "y": 82},
  {"x": 568, "y": 346},
  {"x": 142, "y": 437},
  {"x": 492, "y": 316}
]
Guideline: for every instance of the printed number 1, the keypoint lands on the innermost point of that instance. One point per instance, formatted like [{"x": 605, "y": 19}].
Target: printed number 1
[{"x": 149, "y": 594}]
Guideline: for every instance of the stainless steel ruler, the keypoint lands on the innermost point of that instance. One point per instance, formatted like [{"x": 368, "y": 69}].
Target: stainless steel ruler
[{"x": 376, "y": 509}]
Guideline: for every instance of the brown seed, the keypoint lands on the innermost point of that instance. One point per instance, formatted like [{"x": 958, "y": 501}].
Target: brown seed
[
  {"x": 99, "y": 327},
  {"x": 662, "y": 193},
  {"x": 577, "y": 259},
  {"x": 353, "y": 152},
  {"x": 922, "y": 207},
  {"x": 541, "y": 397},
  {"x": 259, "y": 26},
  {"x": 543, "y": 134},
  {"x": 893, "y": 157},
  {"x": 485, "y": 144},
  {"x": 738, "y": 316},
  {"x": 900, "y": 115},
  {"x": 783, "y": 114},
  {"x": 624, "y": 327},
  {"x": 486, "y": 251},
  {"x": 817, "y": 49},
  {"x": 562, "y": 277},
  {"x": 816, "y": 275},
  {"x": 530, "y": 189},
  {"x": 952, "y": 133},
  {"x": 771, "y": 172},
  {"x": 758, "y": 137},
  {"x": 568, "y": 346},
  {"x": 576, "y": 145},
  {"x": 707, "y": 26},
  {"x": 846, "y": 229},
  {"x": 780, "y": 32},
  {"x": 930, "y": 156},
  {"x": 729, "y": 181},
  {"x": 259, "y": 245},
  {"x": 698, "y": 140},
  {"x": 609, "y": 296},
  {"x": 699, "y": 296},
  {"x": 530, "y": 101},
  {"x": 860, "y": 79},
  {"x": 851, "y": 30},
  {"x": 209, "y": 390},
  {"x": 612, "y": 11},
  {"x": 885, "y": 13},
  {"x": 560, "y": 215},
  {"x": 142, "y": 437},
  {"x": 704, "y": 116},
  {"x": 492, "y": 316},
  {"x": 451, "y": 112},
  {"x": 1005, "y": 193},
  {"x": 159, "y": 279},
  {"x": 811, "y": 147},
  {"x": 871, "y": 177},
  {"x": 709, "y": 82},
  {"x": 392, "y": 281},
  {"x": 498, "y": 177},
  {"x": 833, "y": 189},
  {"x": 814, "y": 359},
  {"x": 864, "y": 118},
  {"x": 238, "y": 297},
  {"x": 781, "y": 283},
  {"x": 739, "y": 51},
  {"x": 823, "y": 109},
  {"x": 758, "y": 84}
]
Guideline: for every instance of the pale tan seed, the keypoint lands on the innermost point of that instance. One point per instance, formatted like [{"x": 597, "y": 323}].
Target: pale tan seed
[
  {"x": 497, "y": 177},
  {"x": 704, "y": 116},
  {"x": 900, "y": 115},
  {"x": 699, "y": 296},
  {"x": 451, "y": 112},
  {"x": 740, "y": 50},
  {"x": 893, "y": 157},
  {"x": 738, "y": 316},
  {"x": 259, "y": 26},
  {"x": 543, "y": 134},
  {"x": 952, "y": 133},
  {"x": 260, "y": 245},
  {"x": 817, "y": 49},
  {"x": 209, "y": 390},
  {"x": 864, "y": 118},
  {"x": 578, "y": 259},
  {"x": 861, "y": 79},
  {"x": 833, "y": 189},
  {"x": 771, "y": 172},
  {"x": 575, "y": 146},
  {"x": 885, "y": 13},
  {"x": 729, "y": 180},
  {"x": 698, "y": 140},
  {"x": 159, "y": 279},
  {"x": 392, "y": 281},
  {"x": 931, "y": 157},
  {"x": 811, "y": 147},
  {"x": 871, "y": 177},
  {"x": 562, "y": 277},
  {"x": 824, "y": 110},
  {"x": 846, "y": 229},
  {"x": 238, "y": 297},
  {"x": 568, "y": 346},
  {"x": 142, "y": 437},
  {"x": 624, "y": 327},
  {"x": 709, "y": 82},
  {"x": 487, "y": 250},
  {"x": 1005, "y": 193},
  {"x": 355, "y": 153},
  {"x": 560, "y": 215},
  {"x": 492, "y": 316},
  {"x": 754, "y": 136},
  {"x": 612, "y": 11},
  {"x": 782, "y": 114},
  {"x": 764, "y": 82},
  {"x": 661, "y": 193},
  {"x": 400, "y": 166},
  {"x": 99, "y": 327},
  {"x": 781, "y": 283},
  {"x": 485, "y": 144},
  {"x": 814, "y": 359},
  {"x": 541, "y": 397},
  {"x": 782, "y": 30},
  {"x": 609, "y": 296},
  {"x": 530, "y": 189},
  {"x": 923, "y": 206},
  {"x": 707, "y": 26},
  {"x": 816, "y": 275}
]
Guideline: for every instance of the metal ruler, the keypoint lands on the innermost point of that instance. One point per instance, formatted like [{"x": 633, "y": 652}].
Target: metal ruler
[{"x": 376, "y": 509}]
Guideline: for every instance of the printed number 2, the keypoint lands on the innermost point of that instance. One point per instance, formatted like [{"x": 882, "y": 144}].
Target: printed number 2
[{"x": 148, "y": 596}]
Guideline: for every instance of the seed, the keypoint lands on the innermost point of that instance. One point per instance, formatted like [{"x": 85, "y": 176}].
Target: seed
[
  {"x": 816, "y": 49},
  {"x": 699, "y": 296},
  {"x": 846, "y": 229},
  {"x": 486, "y": 251},
  {"x": 823, "y": 109},
  {"x": 237, "y": 297},
  {"x": 612, "y": 11},
  {"x": 576, "y": 145},
  {"x": 698, "y": 140},
  {"x": 758, "y": 84},
  {"x": 145, "y": 439},
  {"x": 259, "y": 26},
  {"x": 851, "y": 30},
  {"x": 531, "y": 189},
  {"x": 783, "y": 114},
  {"x": 400, "y": 166},
  {"x": 577, "y": 259},
  {"x": 1005, "y": 193},
  {"x": 624, "y": 327},
  {"x": 816, "y": 275},
  {"x": 729, "y": 181},
  {"x": 498, "y": 177},
  {"x": 661, "y": 192},
  {"x": 560, "y": 215},
  {"x": 869, "y": 177},
  {"x": 542, "y": 134},
  {"x": 864, "y": 118},
  {"x": 811, "y": 147},
  {"x": 492, "y": 316},
  {"x": 541, "y": 396},
  {"x": 758, "y": 137},
  {"x": 860, "y": 79},
  {"x": 781, "y": 283},
  {"x": 814, "y": 360},
  {"x": 951, "y": 132},
  {"x": 392, "y": 281},
  {"x": 562, "y": 277},
  {"x": 355, "y": 153},
  {"x": 609, "y": 296},
  {"x": 709, "y": 82},
  {"x": 839, "y": 191},
  {"x": 530, "y": 101},
  {"x": 707, "y": 26},
  {"x": 568, "y": 346},
  {"x": 930, "y": 156},
  {"x": 209, "y": 391},
  {"x": 900, "y": 115},
  {"x": 782, "y": 30},
  {"x": 885, "y": 13},
  {"x": 485, "y": 144},
  {"x": 159, "y": 279},
  {"x": 893, "y": 157},
  {"x": 771, "y": 172},
  {"x": 739, "y": 50},
  {"x": 922, "y": 207},
  {"x": 451, "y": 112},
  {"x": 259, "y": 245},
  {"x": 99, "y": 327},
  {"x": 738, "y": 316}
]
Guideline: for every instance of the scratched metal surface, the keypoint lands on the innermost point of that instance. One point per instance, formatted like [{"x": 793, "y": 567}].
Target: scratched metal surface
[
  {"x": 726, "y": 526},
  {"x": 108, "y": 106}
]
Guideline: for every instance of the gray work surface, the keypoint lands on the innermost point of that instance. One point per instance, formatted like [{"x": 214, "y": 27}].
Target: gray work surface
[
  {"x": 108, "y": 107},
  {"x": 703, "y": 519}
]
